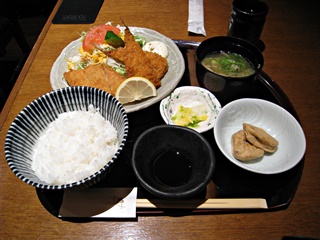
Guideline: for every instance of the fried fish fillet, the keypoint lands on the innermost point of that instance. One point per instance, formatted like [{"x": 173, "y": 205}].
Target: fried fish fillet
[
  {"x": 159, "y": 65},
  {"x": 98, "y": 76},
  {"x": 260, "y": 138},
  {"x": 243, "y": 150},
  {"x": 138, "y": 62}
]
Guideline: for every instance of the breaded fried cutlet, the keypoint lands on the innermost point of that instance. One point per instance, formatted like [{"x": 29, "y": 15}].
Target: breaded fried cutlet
[
  {"x": 75, "y": 78},
  {"x": 113, "y": 78},
  {"x": 159, "y": 64},
  {"x": 95, "y": 77},
  {"x": 98, "y": 76},
  {"x": 138, "y": 62}
]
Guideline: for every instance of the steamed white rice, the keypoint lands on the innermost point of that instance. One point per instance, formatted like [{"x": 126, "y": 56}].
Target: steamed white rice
[{"x": 73, "y": 147}]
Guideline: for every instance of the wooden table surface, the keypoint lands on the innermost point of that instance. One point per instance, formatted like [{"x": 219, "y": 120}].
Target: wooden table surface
[{"x": 291, "y": 36}]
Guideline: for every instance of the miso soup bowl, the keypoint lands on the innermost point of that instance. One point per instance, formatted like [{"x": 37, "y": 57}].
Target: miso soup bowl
[{"x": 227, "y": 89}]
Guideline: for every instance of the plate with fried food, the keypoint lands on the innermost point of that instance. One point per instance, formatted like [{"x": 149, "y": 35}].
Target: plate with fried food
[{"x": 132, "y": 52}]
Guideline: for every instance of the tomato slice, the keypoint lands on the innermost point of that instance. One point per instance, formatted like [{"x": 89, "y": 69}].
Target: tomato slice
[{"x": 96, "y": 35}]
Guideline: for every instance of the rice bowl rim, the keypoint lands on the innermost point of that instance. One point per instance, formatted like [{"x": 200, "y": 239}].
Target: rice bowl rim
[{"x": 15, "y": 129}]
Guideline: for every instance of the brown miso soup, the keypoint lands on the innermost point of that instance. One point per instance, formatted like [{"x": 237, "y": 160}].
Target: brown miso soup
[{"x": 228, "y": 64}]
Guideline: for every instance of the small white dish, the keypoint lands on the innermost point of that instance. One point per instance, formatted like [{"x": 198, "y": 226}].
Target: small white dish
[
  {"x": 195, "y": 98},
  {"x": 274, "y": 119}
]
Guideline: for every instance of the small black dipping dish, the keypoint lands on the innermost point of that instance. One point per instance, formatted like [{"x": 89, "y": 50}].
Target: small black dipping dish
[{"x": 172, "y": 161}]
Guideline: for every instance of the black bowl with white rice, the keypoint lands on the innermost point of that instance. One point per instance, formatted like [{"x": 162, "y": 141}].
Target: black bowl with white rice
[{"x": 69, "y": 137}]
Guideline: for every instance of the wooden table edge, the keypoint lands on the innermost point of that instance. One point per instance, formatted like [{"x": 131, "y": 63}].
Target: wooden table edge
[{"x": 14, "y": 92}]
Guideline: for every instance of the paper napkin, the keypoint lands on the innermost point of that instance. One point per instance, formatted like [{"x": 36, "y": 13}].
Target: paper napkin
[
  {"x": 99, "y": 203},
  {"x": 196, "y": 17}
]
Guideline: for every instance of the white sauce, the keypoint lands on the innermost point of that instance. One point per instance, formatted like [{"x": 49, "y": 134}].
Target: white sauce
[{"x": 156, "y": 47}]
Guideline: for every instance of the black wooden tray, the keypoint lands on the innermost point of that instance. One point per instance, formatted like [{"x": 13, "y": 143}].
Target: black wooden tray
[{"x": 228, "y": 181}]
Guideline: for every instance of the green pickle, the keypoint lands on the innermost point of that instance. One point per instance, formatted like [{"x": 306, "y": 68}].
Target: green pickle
[
  {"x": 186, "y": 117},
  {"x": 113, "y": 40}
]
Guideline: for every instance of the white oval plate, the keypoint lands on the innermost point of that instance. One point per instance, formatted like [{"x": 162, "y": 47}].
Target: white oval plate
[
  {"x": 190, "y": 96},
  {"x": 169, "y": 81},
  {"x": 278, "y": 122}
]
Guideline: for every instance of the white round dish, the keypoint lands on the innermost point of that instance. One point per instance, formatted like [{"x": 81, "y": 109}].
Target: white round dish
[
  {"x": 169, "y": 81},
  {"x": 192, "y": 97},
  {"x": 274, "y": 119}
]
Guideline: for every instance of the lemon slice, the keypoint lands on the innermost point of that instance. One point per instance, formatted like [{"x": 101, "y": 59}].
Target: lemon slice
[{"x": 135, "y": 88}]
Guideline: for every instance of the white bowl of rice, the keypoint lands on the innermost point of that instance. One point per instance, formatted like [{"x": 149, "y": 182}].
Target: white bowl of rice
[{"x": 69, "y": 137}]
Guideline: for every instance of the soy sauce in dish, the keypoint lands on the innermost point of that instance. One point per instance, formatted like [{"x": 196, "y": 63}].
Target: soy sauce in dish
[
  {"x": 172, "y": 168},
  {"x": 228, "y": 64}
]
